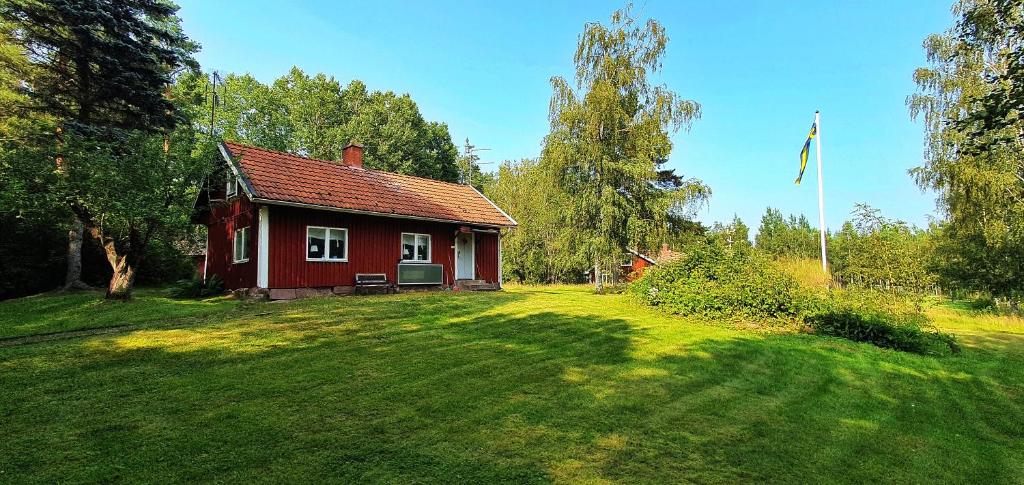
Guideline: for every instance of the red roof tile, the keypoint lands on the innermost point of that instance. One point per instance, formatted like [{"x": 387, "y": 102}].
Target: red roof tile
[{"x": 283, "y": 177}]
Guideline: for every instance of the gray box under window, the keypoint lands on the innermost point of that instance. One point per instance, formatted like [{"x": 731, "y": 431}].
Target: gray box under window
[{"x": 420, "y": 274}]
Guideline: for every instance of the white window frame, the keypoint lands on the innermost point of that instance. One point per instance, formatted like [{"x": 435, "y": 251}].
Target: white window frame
[
  {"x": 242, "y": 232},
  {"x": 231, "y": 189},
  {"x": 415, "y": 248},
  {"x": 327, "y": 245}
]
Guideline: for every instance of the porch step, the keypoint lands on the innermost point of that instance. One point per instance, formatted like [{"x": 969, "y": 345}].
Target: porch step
[{"x": 475, "y": 285}]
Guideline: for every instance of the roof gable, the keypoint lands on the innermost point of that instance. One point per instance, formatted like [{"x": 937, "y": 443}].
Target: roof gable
[{"x": 282, "y": 178}]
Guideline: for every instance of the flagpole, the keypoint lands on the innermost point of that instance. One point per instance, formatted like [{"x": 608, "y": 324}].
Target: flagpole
[{"x": 821, "y": 196}]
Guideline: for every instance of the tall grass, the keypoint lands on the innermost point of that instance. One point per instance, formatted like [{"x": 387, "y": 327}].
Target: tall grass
[{"x": 805, "y": 271}]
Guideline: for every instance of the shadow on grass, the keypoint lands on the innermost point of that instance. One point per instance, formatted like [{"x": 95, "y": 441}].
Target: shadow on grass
[
  {"x": 461, "y": 388},
  {"x": 52, "y": 313}
]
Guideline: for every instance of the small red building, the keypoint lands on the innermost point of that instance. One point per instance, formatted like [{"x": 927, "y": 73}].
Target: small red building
[
  {"x": 634, "y": 264},
  {"x": 279, "y": 221}
]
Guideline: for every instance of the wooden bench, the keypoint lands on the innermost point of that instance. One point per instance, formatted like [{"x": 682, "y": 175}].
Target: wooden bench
[{"x": 372, "y": 282}]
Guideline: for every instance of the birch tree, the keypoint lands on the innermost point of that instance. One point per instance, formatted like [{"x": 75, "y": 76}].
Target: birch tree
[
  {"x": 970, "y": 97},
  {"x": 609, "y": 135}
]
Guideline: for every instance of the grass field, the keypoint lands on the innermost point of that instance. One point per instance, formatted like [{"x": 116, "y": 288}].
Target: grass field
[{"x": 533, "y": 384}]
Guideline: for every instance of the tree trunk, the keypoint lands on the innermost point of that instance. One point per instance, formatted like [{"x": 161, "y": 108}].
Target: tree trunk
[
  {"x": 122, "y": 281},
  {"x": 598, "y": 284},
  {"x": 123, "y": 263},
  {"x": 73, "y": 278}
]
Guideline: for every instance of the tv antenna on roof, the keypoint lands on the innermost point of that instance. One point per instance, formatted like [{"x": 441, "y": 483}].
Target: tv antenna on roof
[
  {"x": 211, "y": 91},
  {"x": 472, "y": 161}
]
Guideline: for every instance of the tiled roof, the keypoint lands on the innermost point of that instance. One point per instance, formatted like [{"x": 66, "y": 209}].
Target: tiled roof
[{"x": 282, "y": 177}]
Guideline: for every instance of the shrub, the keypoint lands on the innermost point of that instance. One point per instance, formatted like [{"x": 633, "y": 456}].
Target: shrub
[
  {"x": 884, "y": 319},
  {"x": 715, "y": 280},
  {"x": 197, "y": 288},
  {"x": 164, "y": 262}
]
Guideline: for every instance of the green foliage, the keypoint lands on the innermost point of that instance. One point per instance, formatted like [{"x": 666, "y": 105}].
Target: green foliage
[
  {"x": 873, "y": 251},
  {"x": 167, "y": 258},
  {"x": 313, "y": 115},
  {"x": 735, "y": 233},
  {"x": 470, "y": 172},
  {"x": 31, "y": 255},
  {"x": 195, "y": 287},
  {"x": 99, "y": 76},
  {"x": 881, "y": 318},
  {"x": 610, "y": 136},
  {"x": 103, "y": 64},
  {"x": 970, "y": 99},
  {"x": 714, "y": 280},
  {"x": 541, "y": 249},
  {"x": 793, "y": 237}
]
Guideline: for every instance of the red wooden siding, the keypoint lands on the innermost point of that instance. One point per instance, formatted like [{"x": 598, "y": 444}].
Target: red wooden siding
[
  {"x": 374, "y": 247},
  {"x": 639, "y": 263},
  {"x": 221, "y": 223},
  {"x": 637, "y": 268},
  {"x": 487, "y": 257}
]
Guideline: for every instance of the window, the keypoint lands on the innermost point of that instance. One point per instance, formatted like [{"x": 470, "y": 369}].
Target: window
[
  {"x": 232, "y": 188},
  {"x": 415, "y": 248},
  {"x": 241, "y": 252},
  {"x": 326, "y": 244}
]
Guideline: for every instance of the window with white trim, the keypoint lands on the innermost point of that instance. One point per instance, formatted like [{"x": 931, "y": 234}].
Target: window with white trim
[
  {"x": 415, "y": 248},
  {"x": 326, "y": 243},
  {"x": 241, "y": 243},
  {"x": 232, "y": 188}
]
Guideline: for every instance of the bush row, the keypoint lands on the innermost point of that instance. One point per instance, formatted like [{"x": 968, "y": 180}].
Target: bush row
[{"x": 713, "y": 280}]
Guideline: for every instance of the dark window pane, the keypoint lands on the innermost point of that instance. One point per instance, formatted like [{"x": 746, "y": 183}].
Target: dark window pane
[
  {"x": 245, "y": 243},
  {"x": 238, "y": 246},
  {"x": 337, "y": 244},
  {"x": 423, "y": 248},
  {"x": 315, "y": 243}
]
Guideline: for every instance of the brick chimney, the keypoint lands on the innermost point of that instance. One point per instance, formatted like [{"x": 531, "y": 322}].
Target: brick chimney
[{"x": 352, "y": 155}]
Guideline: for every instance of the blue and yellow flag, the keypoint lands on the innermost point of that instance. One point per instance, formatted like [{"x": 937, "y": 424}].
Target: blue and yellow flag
[{"x": 806, "y": 151}]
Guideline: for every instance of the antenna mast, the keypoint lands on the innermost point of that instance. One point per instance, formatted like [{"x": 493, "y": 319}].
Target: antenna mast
[
  {"x": 472, "y": 161},
  {"x": 215, "y": 80}
]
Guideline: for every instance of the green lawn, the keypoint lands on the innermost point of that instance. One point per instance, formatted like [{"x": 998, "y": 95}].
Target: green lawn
[
  {"x": 533, "y": 384},
  {"x": 56, "y": 312}
]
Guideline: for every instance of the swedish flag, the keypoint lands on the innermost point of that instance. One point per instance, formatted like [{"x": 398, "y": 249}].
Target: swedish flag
[{"x": 806, "y": 151}]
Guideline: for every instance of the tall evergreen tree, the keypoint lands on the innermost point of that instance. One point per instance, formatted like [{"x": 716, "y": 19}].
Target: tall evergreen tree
[
  {"x": 609, "y": 133},
  {"x": 96, "y": 65}
]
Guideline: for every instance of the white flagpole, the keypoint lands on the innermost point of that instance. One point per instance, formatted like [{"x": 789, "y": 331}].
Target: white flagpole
[{"x": 821, "y": 196}]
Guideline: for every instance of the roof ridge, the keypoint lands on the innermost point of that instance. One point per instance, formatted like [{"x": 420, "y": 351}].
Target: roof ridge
[
  {"x": 313, "y": 182},
  {"x": 341, "y": 164}
]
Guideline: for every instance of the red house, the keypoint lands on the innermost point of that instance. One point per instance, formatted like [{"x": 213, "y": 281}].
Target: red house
[{"x": 279, "y": 223}]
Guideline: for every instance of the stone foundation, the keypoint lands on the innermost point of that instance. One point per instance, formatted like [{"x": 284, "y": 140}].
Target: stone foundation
[{"x": 278, "y": 294}]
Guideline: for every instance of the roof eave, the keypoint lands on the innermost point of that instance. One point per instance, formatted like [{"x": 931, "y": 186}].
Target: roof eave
[
  {"x": 481, "y": 194},
  {"x": 236, "y": 169},
  {"x": 304, "y": 205}
]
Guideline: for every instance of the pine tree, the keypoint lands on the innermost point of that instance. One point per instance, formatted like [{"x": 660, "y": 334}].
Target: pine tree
[{"x": 97, "y": 66}]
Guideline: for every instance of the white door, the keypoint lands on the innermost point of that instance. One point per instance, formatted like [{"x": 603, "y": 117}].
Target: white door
[{"x": 464, "y": 257}]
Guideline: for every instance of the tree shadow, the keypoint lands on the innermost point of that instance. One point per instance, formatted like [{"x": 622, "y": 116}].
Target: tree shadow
[{"x": 471, "y": 390}]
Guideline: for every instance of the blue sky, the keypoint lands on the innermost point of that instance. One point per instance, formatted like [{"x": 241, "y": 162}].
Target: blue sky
[{"x": 759, "y": 70}]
